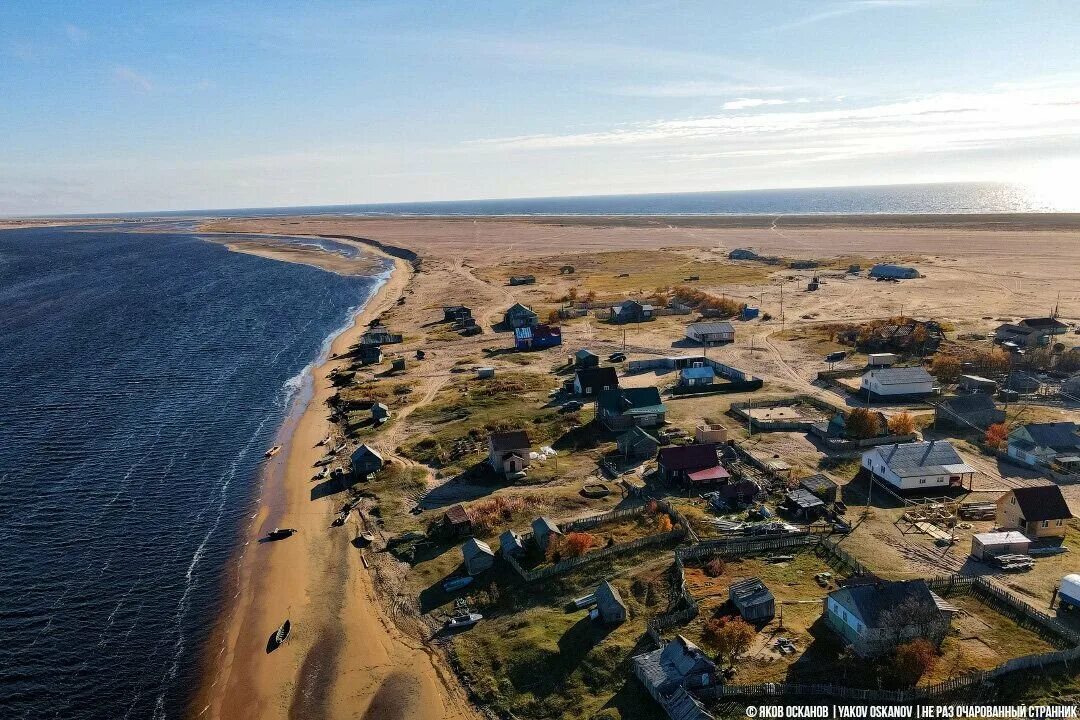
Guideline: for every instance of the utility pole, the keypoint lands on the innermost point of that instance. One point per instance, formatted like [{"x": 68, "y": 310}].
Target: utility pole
[
  {"x": 624, "y": 341},
  {"x": 781, "y": 306}
]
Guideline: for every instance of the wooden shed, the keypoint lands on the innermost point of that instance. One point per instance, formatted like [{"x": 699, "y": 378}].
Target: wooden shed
[
  {"x": 610, "y": 608},
  {"x": 478, "y": 556},
  {"x": 753, "y": 600},
  {"x": 987, "y": 545}
]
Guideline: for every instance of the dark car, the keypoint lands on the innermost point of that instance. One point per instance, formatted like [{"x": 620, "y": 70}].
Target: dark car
[
  {"x": 572, "y": 406},
  {"x": 616, "y": 357}
]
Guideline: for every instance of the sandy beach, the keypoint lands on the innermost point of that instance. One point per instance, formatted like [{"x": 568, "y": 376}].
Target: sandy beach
[
  {"x": 344, "y": 659},
  {"x": 358, "y": 649}
]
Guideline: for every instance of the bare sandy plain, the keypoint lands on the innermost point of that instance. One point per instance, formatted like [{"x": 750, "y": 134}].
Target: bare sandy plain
[{"x": 360, "y": 648}]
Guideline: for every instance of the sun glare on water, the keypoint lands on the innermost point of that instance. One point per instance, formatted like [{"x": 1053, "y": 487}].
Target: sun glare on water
[{"x": 1055, "y": 186}]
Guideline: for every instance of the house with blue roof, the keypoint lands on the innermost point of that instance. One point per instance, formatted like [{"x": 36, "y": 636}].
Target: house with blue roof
[{"x": 697, "y": 376}]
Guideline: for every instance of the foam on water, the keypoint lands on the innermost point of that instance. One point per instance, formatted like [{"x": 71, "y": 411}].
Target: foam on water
[{"x": 143, "y": 376}]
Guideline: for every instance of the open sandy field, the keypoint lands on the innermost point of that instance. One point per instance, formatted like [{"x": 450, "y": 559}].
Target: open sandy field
[{"x": 362, "y": 650}]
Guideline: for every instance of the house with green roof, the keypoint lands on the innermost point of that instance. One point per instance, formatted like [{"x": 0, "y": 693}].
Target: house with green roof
[{"x": 622, "y": 408}]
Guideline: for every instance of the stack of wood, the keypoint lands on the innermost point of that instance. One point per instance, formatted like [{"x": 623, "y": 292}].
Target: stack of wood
[
  {"x": 978, "y": 511},
  {"x": 1015, "y": 562}
]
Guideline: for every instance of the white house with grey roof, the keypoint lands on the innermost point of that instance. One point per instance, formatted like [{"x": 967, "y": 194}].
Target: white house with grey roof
[
  {"x": 897, "y": 382},
  {"x": 918, "y": 465},
  {"x": 709, "y": 333}
]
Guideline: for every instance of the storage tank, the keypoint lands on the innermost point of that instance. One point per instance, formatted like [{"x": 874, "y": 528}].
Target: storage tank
[{"x": 1069, "y": 592}]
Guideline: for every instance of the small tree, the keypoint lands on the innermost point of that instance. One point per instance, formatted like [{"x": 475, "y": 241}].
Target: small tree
[
  {"x": 577, "y": 543},
  {"x": 902, "y": 424},
  {"x": 729, "y": 637},
  {"x": 715, "y": 567},
  {"x": 863, "y": 424},
  {"x": 912, "y": 660},
  {"x": 553, "y": 317},
  {"x": 571, "y": 294},
  {"x": 663, "y": 523},
  {"x": 997, "y": 435},
  {"x": 591, "y": 295},
  {"x": 946, "y": 368}
]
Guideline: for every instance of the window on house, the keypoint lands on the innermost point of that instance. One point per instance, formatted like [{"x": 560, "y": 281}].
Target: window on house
[
  {"x": 1046, "y": 523},
  {"x": 1057, "y": 523},
  {"x": 922, "y": 481}
]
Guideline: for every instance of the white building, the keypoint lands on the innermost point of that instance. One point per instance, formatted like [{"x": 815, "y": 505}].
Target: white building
[
  {"x": 708, "y": 333},
  {"x": 918, "y": 465},
  {"x": 898, "y": 382}
]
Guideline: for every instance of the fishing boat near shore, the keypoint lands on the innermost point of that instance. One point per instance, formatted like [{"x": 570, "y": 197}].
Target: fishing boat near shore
[
  {"x": 463, "y": 621},
  {"x": 280, "y": 533},
  {"x": 282, "y": 633},
  {"x": 457, "y": 583},
  {"x": 272, "y": 451}
]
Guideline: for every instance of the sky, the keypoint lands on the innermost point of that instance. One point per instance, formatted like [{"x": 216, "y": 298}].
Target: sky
[{"x": 122, "y": 106}]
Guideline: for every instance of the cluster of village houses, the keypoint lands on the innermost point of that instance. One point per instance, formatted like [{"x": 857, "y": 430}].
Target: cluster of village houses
[{"x": 863, "y": 615}]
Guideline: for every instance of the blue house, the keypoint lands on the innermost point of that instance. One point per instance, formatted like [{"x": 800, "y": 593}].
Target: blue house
[
  {"x": 537, "y": 338},
  {"x": 697, "y": 376},
  {"x": 899, "y": 272}
]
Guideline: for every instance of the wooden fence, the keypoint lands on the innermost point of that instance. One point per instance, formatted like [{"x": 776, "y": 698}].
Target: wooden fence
[
  {"x": 971, "y": 681},
  {"x": 680, "y": 531}
]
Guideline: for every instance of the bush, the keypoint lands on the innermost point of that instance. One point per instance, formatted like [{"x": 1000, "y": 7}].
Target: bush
[
  {"x": 863, "y": 424},
  {"x": 663, "y": 524},
  {"x": 715, "y": 567},
  {"x": 912, "y": 660},
  {"x": 997, "y": 435},
  {"x": 729, "y": 637},
  {"x": 946, "y": 368},
  {"x": 902, "y": 424},
  {"x": 576, "y": 543}
]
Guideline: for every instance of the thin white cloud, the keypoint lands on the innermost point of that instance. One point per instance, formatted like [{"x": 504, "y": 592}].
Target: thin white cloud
[
  {"x": 132, "y": 78},
  {"x": 694, "y": 88},
  {"x": 746, "y": 103},
  {"x": 846, "y": 8},
  {"x": 74, "y": 33},
  {"x": 1000, "y": 119}
]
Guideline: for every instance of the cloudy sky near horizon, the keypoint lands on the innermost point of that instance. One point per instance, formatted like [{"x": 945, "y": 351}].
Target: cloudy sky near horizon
[{"x": 119, "y": 106}]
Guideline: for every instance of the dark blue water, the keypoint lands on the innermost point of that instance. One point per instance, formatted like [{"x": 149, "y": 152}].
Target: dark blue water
[
  {"x": 904, "y": 199},
  {"x": 141, "y": 376}
]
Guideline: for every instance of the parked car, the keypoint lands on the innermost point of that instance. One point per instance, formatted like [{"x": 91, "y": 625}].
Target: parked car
[
  {"x": 572, "y": 406},
  {"x": 616, "y": 357}
]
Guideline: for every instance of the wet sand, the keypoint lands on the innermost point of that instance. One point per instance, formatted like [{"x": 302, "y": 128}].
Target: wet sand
[{"x": 344, "y": 659}]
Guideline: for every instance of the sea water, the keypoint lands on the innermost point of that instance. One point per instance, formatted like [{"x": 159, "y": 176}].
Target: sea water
[{"x": 142, "y": 377}]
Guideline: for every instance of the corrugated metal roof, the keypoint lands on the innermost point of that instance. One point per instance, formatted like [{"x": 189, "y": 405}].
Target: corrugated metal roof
[
  {"x": 921, "y": 458},
  {"x": 900, "y": 376}
]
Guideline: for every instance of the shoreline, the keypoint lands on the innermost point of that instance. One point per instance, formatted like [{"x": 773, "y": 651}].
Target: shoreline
[{"x": 306, "y": 577}]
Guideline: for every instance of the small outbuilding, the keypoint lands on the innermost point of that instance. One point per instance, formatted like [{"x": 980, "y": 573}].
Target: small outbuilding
[
  {"x": 610, "y": 608},
  {"x": 455, "y": 522},
  {"x": 804, "y": 504},
  {"x": 753, "y": 600},
  {"x": 968, "y": 412},
  {"x": 820, "y": 485},
  {"x": 977, "y": 384},
  {"x": 544, "y": 529},
  {"x": 636, "y": 443},
  {"x": 991, "y": 544},
  {"x": 380, "y": 413},
  {"x": 370, "y": 354},
  {"x": 365, "y": 462},
  {"x": 510, "y": 544},
  {"x": 697, "y": 376},
  {"x": 478, "y": 556},
  {"x": 583, "y": 358}
]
